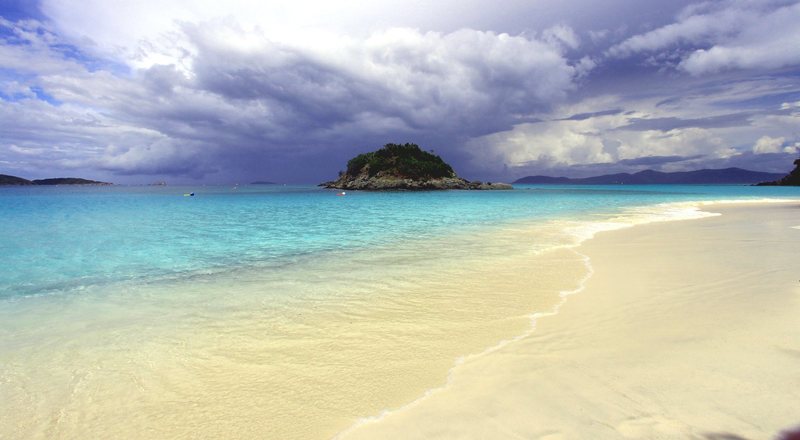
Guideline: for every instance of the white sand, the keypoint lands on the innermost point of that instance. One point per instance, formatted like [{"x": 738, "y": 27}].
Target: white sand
[{"x": 687, "y": 329}]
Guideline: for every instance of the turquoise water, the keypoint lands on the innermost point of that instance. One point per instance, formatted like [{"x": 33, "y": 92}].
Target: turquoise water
[
  {"x": 273, "y": 311},
  {"x": 63, "y": 239}
]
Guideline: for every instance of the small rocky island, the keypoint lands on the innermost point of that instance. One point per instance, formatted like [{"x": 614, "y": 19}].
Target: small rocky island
[
  {"x": 792, "y": 179},
  {"x": 403, "y": 167}
]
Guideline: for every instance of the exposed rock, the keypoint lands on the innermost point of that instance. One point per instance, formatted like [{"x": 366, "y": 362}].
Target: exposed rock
[
  {"x": 792, "y": 179},
  {"x": 404, "y": 167}
]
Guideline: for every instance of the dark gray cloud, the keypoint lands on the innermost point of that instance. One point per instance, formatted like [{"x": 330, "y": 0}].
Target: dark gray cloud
[
  {"x": 657, "y": 160},
  {"x": 547, "y": 85},
  {"x": 239, "y": 111},
  {"x": 671, "y": 123},
  {"x": 584, "y": 116},
  {"x": 772, "y": 101}
]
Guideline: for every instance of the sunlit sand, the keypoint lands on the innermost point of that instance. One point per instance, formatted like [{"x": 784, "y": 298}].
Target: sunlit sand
[{"x": 685, "y": 330}]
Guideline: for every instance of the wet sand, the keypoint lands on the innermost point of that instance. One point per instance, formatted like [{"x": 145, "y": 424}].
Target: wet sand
[{"x": 686, "y": 329}]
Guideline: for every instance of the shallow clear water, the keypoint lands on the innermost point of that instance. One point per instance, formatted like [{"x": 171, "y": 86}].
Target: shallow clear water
[
  {"x": 55, "y": 239},
  {"x": 274, "y": 312}
]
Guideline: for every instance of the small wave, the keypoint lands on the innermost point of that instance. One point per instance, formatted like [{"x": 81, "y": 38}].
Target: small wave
[{"x": 534, "y": 317}]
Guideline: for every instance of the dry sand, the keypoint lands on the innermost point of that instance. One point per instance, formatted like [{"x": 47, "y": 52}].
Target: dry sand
[{"x": 686, "y": 329}]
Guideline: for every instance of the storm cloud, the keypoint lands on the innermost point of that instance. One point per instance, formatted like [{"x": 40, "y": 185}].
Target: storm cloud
[{"x": 288, "y": 92}]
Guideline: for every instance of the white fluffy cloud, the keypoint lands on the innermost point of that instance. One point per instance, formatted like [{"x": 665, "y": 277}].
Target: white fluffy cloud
[
  {"x": 711, "y": 37},
  {"x": 693, "y": 29},
  {"x": 766, "y": 144},
  {"x": 595, "y": 135},
  {"x": 594, "y": 141},
  {"x": 147, "y": 32},
  {"x": 30, "y": 47},
  {"x": 769, "y": 42}
]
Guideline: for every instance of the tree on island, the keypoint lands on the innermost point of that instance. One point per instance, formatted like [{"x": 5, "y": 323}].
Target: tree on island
[{"x": 406, "y": 160}]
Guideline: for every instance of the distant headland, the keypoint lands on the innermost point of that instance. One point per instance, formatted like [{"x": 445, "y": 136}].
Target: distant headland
[
  {"x": 404, "y": 167},
  {"x": 19, "y": 181},
  {"x": 650, "y": 177},
  {"x": 792, "y": 179}
]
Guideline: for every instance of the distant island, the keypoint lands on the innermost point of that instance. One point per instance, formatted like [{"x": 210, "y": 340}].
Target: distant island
[
  {"x": 404, "y": 167},
  {"x": 650, "y": 177},
  {"x": 19, "y": 181},
  {"x": 792, "y": 179},
  {"x": 262, "y": 182}
]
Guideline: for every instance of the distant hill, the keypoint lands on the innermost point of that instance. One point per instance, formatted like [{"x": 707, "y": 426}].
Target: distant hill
[
  {"x": 68, "y": 181},
  {"x": 262, "y": 182},
  {"x": 792, "y": 179},
  {"x": 650, "y": 177},
  {"x": 14, "y": 180}
]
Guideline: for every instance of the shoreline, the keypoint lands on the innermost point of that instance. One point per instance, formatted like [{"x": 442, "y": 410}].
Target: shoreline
[
  {"x": 381, "y": 328},
  {"x": 581, "y": 232},
  {"x": 701, "y": 208},
  {"x": 461, "y": 360}
]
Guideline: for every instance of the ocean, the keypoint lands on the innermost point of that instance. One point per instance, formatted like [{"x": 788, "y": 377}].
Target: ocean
[{"x": 276, "y": 311}]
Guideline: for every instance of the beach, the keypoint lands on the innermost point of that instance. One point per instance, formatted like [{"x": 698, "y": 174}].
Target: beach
[
  {"x": 310, "y": 220},
  {"x": 571, "y": 312},
  {"x": 685, "y": 329}
]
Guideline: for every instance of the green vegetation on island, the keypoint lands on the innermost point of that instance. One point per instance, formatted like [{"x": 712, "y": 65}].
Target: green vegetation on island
[
  {"x": 407, "y": 160},
  {"x": 403, "y": 167}
]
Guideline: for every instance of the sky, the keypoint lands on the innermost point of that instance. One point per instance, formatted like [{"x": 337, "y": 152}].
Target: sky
[{"x": 202, "y": 91}]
